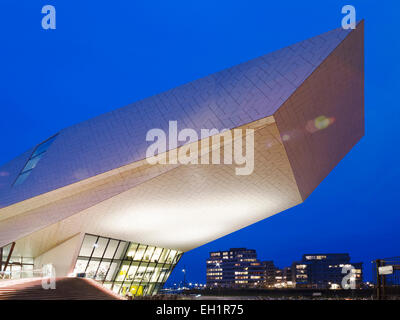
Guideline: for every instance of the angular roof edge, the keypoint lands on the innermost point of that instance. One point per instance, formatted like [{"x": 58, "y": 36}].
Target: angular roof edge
[{"x": 226, "y": 99}]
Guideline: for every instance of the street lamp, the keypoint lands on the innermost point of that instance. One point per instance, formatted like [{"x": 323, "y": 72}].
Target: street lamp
[{"x": 184, "y": 276}]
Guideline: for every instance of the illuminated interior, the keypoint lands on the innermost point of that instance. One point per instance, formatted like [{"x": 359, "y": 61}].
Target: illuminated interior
[{"x": 127, "y": 268}]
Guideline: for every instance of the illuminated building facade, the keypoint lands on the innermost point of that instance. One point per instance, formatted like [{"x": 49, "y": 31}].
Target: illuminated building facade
[
  {"x": 304, "y": 104},
  {"x": 324, "y": 271},
  {"x": 283, "y": 278},
  {"x": 270, "y": 271},
  {"x": 125, "y": 267},
  {"x": 238, "y": 267}
]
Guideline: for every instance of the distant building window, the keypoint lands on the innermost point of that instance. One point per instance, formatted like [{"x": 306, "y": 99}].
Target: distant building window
[
  {"x": 315, "y": 257},
  {"x": 37, "y": 154}
]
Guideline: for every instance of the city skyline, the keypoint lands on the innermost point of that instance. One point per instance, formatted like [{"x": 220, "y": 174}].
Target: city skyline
[
  {"x": 242, "y": 268},
  {"x": 177, "y": 275}
]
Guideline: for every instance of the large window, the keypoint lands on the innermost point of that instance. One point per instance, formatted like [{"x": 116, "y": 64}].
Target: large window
[
  {"x": 16, "y": 266},
  {"x": 37, "y": 154},
  {"x": 127, "y": 268}
]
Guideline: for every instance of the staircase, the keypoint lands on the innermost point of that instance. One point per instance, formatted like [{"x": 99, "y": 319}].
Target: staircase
[{"x": 66, "y": 289}]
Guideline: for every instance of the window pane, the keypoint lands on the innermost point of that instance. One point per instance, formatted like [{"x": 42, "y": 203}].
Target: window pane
[
  {"x": 6, "y": 251},
  {"x": 88, "y": 245},
  {"x": 141, "y": 289},
  {"x": 164, "y": 255},
  {"x": 80, "y": 265},
  {"x": 16, "y": 260},
  {"x": 43, "y": 147},
  {"x": 136, "y": 289},
  {"x": 27, "y": 271},
  {"x": 112, "y": 271},
  {"x": 132, "y": 250},
  {"x": 116, "y": 287},
  {"x": 156, "y": 255},
  {"x": 33, "y": 160},
  {"x": 92, "y": 268},
  {"x": 121, "y": 250},
  {"x": 155, "y": 290},
  {"x": 140, "y": 252},
  {"x": 22, "y": 177},
  {"x": 32, "y": 163},
  {"x": 167, "y": 275},
  {"x": 140, "y": 273},
  {"x": 102, "y": 271},
  {"x": 15, "y": 272},
  {"x": 149, "y": 289},
  {"x": 162, "y": 274},
  {"x": 156, "y": 273},
  {"x": 148, "y": 254},
  {"x": 100, "y": 247},
  {"x": 171, "y": 257},
  {"x": 132, "y": 271},
  {"x": 125, "y": 288},
  {"x": 148, "y": 273},
  {"x": 177, "y": 257},
  {"x": 111, "y": 248},
  {"x": 27, "y": 260},
  {"x": 123, "y": 271}
]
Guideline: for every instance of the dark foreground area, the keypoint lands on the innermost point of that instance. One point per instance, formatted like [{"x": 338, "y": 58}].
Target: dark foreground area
[
  {"x": 88, "y": 289},
  {"x": 288, "y": 293},
  {"x": 276, "y": 294}
]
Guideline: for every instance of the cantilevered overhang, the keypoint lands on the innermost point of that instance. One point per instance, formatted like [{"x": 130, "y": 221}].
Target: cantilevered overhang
[
  {"x": 184, "y": 206},
  {"x": 173, "y": 206}
]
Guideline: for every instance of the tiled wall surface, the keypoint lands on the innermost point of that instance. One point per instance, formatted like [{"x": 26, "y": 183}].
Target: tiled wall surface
[
  {"x": 180, "y": 207},
  {"x": 184, "y": 206},
  {"x": 227, "y": 99},
  {"x": 334, "y": 91}
]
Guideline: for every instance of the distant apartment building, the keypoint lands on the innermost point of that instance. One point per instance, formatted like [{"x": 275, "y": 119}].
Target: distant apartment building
[
  {"x": 270, "y": 271},
  {"x": 237, "y": 267},
  {"x": 283, "y": 278},
  {"x": 324, "y": 271},
  {"x": 240, "y": 267}
]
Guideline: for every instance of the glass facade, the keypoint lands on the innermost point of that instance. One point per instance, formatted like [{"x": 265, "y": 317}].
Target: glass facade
[
  {"x": 33, "y": 160},
  {"x": 127, "y": 268},
  {"x": 16, "y": 267}
]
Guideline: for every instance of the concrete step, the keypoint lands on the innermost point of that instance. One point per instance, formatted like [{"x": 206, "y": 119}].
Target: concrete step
[{"x": 66, "y": 289}]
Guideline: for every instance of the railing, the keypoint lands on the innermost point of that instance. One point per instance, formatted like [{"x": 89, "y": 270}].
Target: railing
[{"x": 387, "y": 273}]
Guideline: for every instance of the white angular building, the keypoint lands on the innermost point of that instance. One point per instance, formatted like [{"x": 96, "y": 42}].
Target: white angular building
[{"x": 87, "y": 201}]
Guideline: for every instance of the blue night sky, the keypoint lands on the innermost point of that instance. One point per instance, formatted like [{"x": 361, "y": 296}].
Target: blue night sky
[{"x": 107, "y": 54}]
